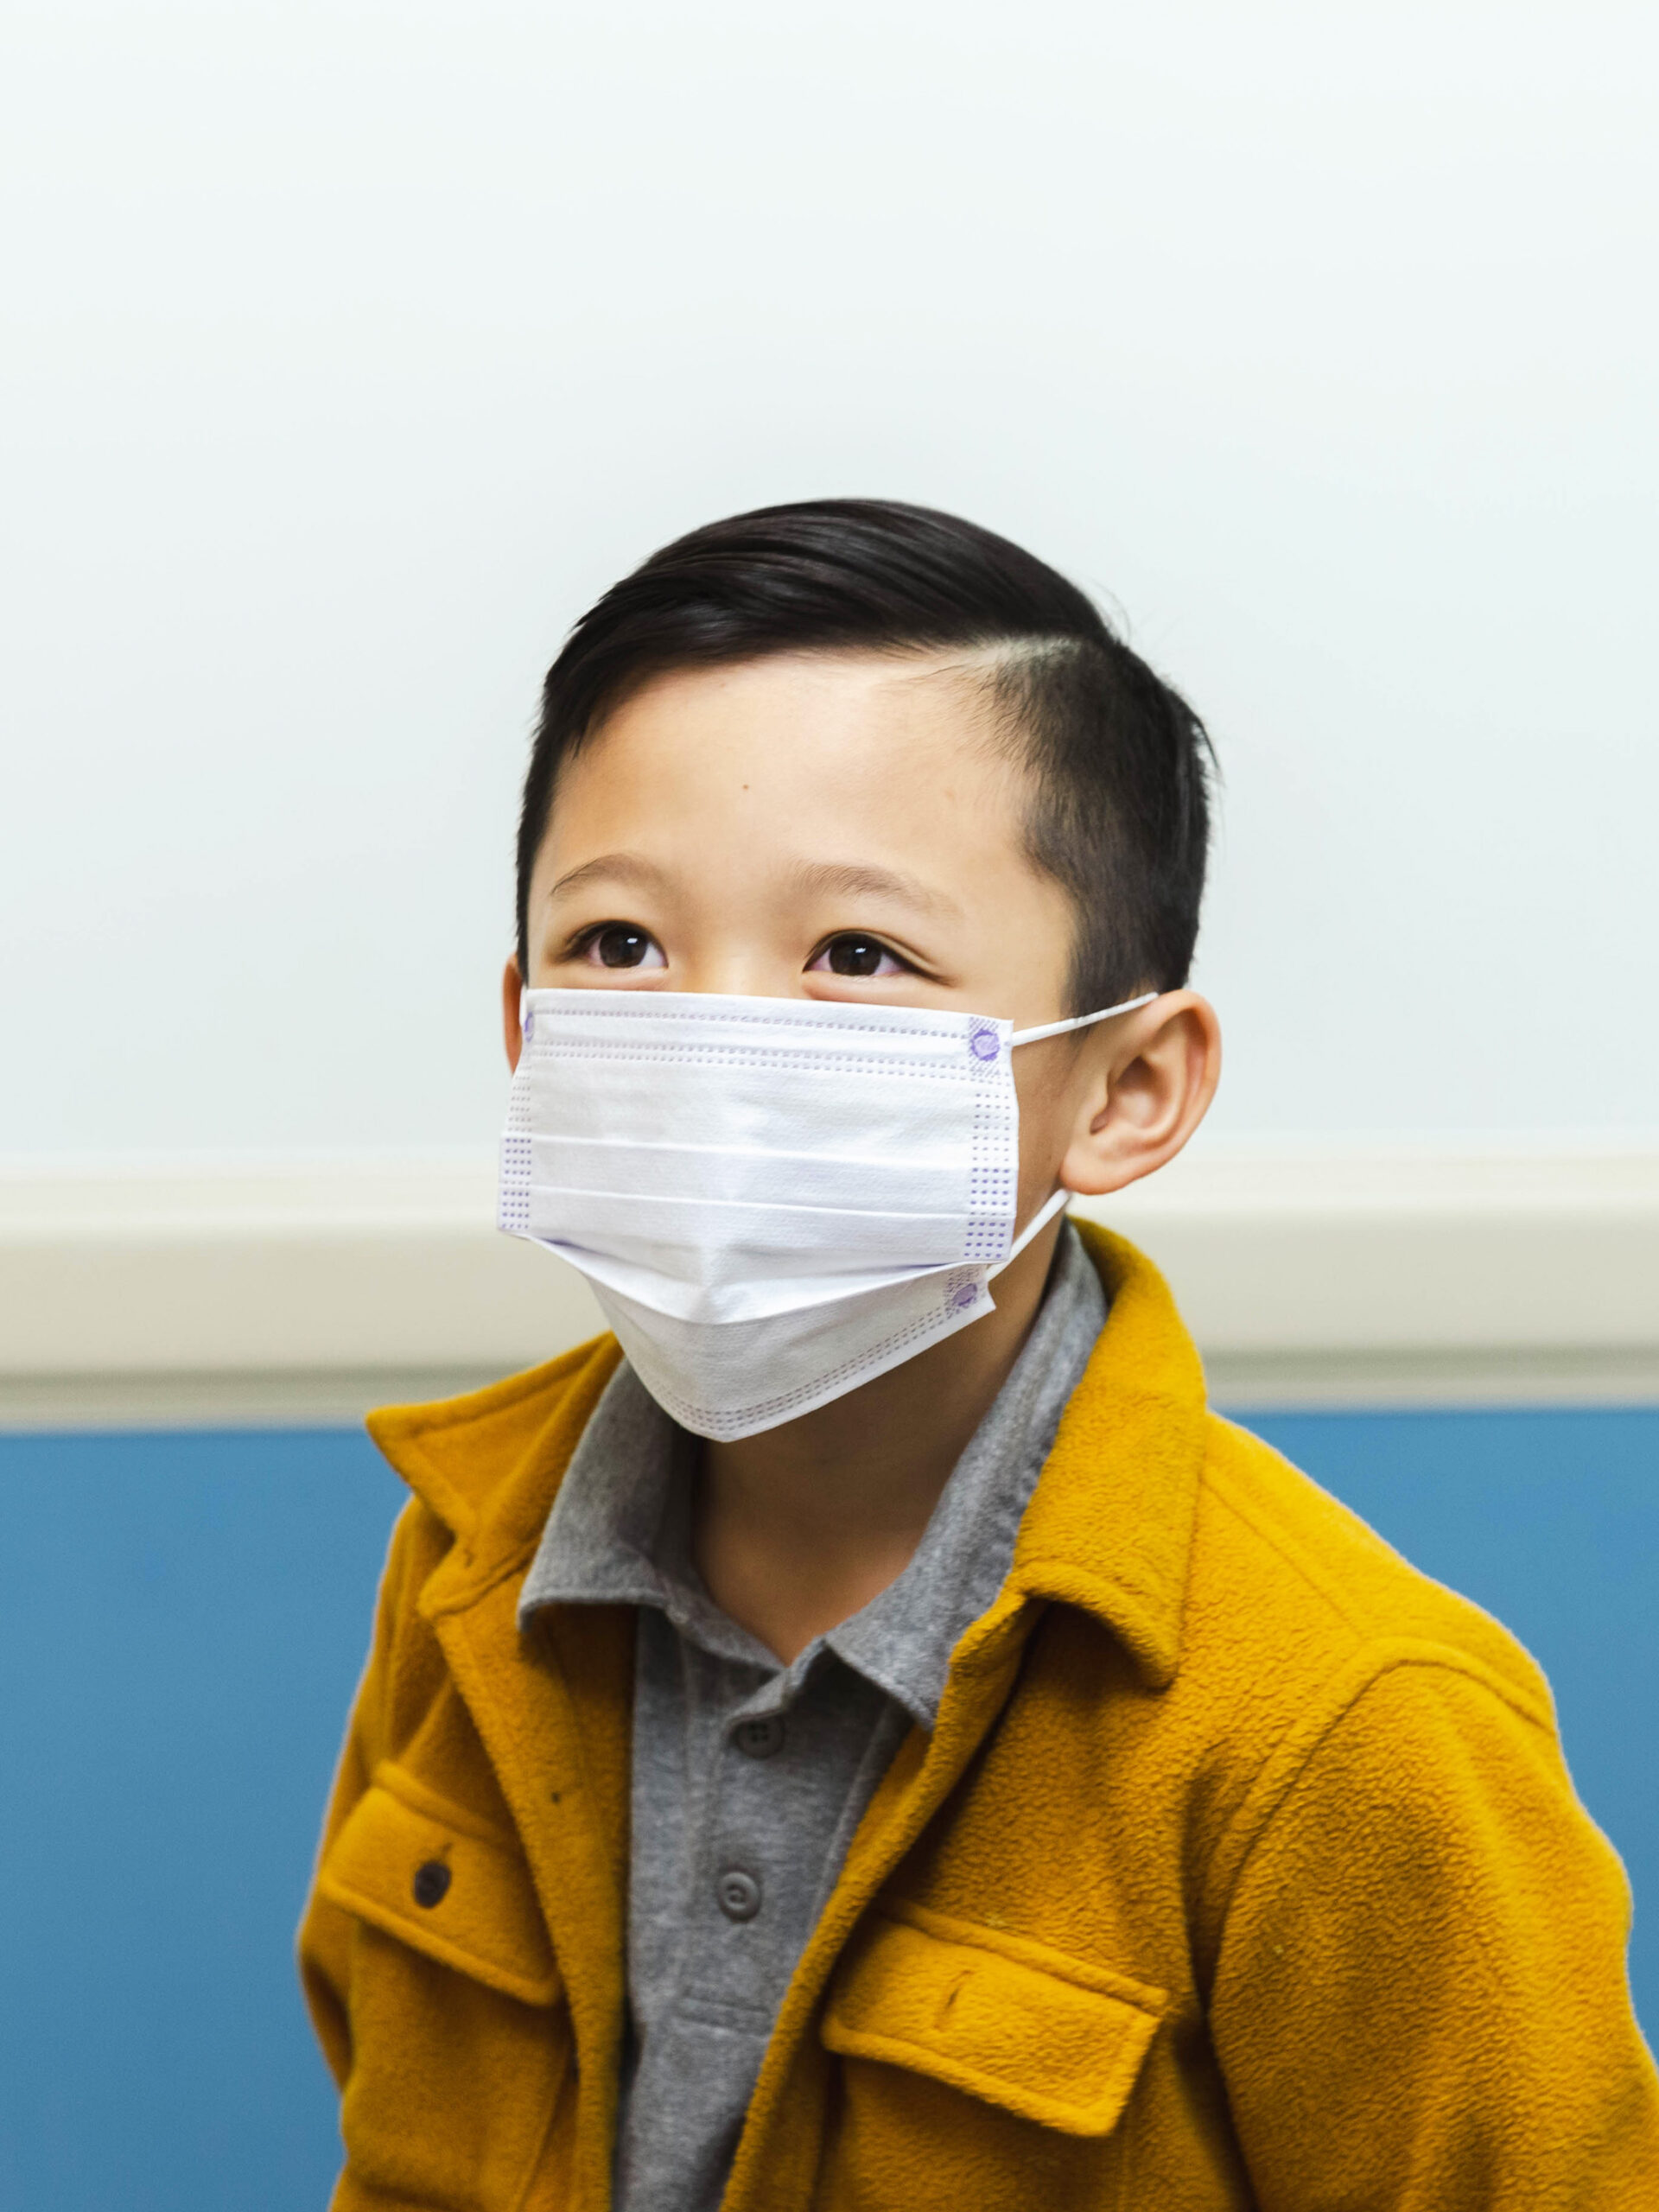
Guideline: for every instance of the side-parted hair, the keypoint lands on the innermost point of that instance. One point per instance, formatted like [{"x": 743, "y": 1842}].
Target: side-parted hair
[{"x": 1121, "y": 765}]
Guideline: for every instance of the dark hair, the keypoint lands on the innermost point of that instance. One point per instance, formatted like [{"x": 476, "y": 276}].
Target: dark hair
[{"x": 1122, "y": 764}]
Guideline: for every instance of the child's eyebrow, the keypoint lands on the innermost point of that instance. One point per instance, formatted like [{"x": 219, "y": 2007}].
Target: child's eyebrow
[
  {"x": 848, "y": 881},
  {"x": 617, "y": 867}
]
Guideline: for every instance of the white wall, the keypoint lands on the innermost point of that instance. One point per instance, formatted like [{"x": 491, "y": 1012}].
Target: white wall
[{"x": 353, "y": 347}]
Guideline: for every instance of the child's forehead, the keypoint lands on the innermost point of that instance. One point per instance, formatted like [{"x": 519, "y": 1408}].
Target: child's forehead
[
  {"x": 789, "y": 721},
  {"x": 882, "y": 758},
  {"x": 844, "y": 732}
]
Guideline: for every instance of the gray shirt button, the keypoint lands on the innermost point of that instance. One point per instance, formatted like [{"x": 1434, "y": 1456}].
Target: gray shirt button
[
  {"x": 739, "y": 1894},
  {"x": 760, "y": 1738}
]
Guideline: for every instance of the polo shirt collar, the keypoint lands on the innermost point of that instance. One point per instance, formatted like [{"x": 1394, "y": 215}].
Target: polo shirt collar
[{"x": 619, "y": 1531}]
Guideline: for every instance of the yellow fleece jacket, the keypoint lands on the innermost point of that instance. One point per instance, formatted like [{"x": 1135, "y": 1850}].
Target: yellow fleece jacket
[{"x": 1241, "y": 1869}]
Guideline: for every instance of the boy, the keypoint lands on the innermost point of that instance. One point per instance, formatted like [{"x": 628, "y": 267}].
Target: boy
[{"x": 876, "y": 1740}]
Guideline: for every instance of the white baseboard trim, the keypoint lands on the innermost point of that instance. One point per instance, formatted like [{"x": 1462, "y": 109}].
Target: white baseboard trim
[
  {"x": 296, "y": 1291},
  {"x": 299, "y": 1398}
]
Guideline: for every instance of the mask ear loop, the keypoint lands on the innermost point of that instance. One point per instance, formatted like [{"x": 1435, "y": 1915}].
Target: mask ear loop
[
  {"x": 1081, "y": 1021},
  {"x": 1039, "y": 1222},
  {"x": 1061, "y": 1199}
]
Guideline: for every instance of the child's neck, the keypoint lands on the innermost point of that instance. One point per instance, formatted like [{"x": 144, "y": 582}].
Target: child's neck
[{"x": 796, "y": 1529}]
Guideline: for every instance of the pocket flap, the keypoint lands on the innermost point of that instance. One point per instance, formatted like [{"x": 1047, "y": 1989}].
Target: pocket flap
[
  {"x": 436, "y": 1881},
  {"x": 1008, "y": 2021}
]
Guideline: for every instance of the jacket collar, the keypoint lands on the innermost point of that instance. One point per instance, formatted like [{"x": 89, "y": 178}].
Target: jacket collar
[
  {"x": 489, "y": 1465},
  {"x": 1108, "y": 1528}
]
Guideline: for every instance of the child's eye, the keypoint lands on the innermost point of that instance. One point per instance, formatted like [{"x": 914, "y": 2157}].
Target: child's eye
[
  {"x": 854, "y": 954},
  {"x": 619, "y": 944}
]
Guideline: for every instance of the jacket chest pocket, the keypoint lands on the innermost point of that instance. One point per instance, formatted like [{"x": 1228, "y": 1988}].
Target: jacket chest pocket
[
  {"x": 978, "y": 2069},
  {"x": 460, "y": 2039}
]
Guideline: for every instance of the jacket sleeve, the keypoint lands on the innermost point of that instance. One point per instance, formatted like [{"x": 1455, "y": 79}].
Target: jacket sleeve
[
  {"x": 1420, "y": 2002},
  {"x": 325, "y": 1930}
]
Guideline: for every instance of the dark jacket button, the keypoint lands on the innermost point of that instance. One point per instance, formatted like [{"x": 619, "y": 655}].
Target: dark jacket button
[{"x": 431, "y": 1880}]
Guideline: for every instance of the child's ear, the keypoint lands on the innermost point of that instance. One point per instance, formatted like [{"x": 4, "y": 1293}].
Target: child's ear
[
  {"x": 1149, "y": 1091},
  {"x": 512, "y": 1034}
]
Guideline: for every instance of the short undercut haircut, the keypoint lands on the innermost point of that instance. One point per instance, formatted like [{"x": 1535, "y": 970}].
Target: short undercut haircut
[{"x": 1120, "y": 765}]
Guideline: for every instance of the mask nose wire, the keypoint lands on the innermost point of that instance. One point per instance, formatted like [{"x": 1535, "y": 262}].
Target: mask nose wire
[{"x": 1081, "y": 1021}]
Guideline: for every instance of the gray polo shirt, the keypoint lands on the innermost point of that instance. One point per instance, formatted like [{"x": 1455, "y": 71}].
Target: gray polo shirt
[{"x": 749, "y": 1777}]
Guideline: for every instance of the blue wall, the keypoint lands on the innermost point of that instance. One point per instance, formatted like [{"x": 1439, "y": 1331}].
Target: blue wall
[{"x": 183, "y": 1618}]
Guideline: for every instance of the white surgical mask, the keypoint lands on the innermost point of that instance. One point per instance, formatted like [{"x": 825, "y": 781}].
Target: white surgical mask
[{"x": 774, "y": 1199}]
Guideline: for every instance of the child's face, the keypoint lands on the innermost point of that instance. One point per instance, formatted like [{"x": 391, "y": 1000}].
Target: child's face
[{"x": 833, "y": 826}]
